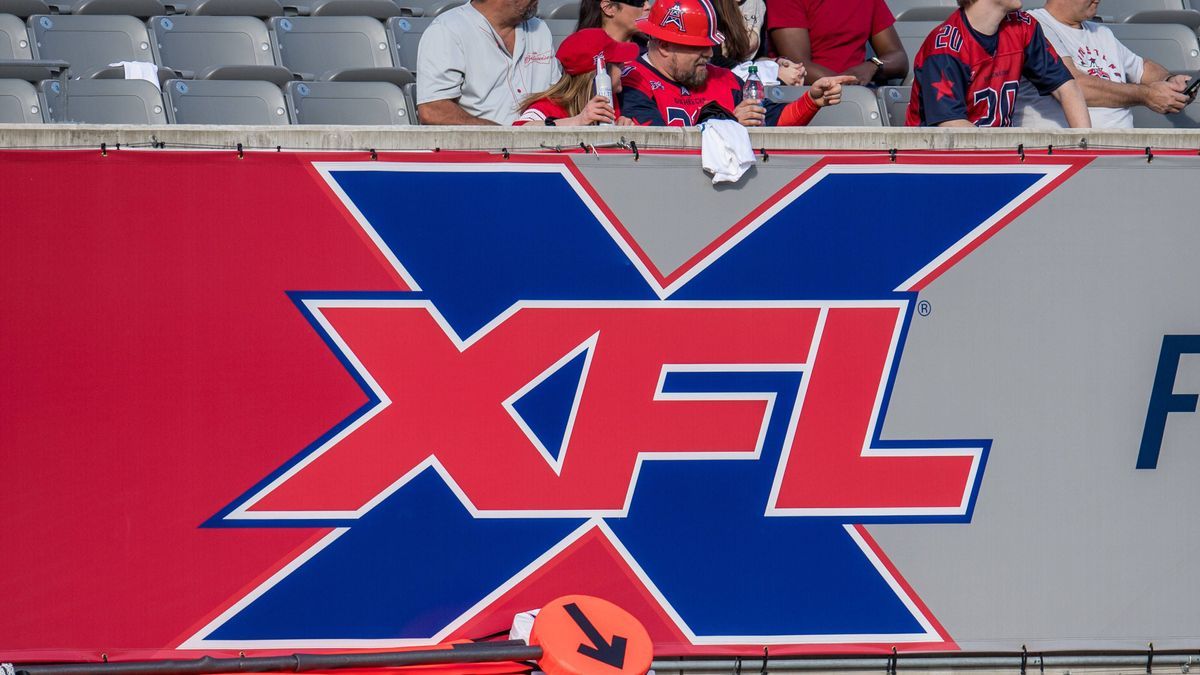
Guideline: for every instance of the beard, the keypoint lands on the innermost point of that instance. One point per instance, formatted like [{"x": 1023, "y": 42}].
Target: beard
[
  {"x": 695, "y": 78},
  {"x": 530, "y": 11}
]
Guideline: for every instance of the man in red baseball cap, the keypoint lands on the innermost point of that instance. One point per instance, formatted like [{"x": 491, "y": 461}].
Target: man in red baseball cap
[
  {"x": 674, "y": 80},
  {"x": 571, "y": 101}
]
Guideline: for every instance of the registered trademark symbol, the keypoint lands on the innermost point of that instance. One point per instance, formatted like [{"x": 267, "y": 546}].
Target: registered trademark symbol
[{"x": 924, "y": 308}]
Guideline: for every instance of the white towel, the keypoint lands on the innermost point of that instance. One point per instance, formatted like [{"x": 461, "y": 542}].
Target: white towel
[
  {"x": 768, "y": 71},
  {"x": 140, "y": 70},
  {"x": 725, "y": 150},
  {"x": 522, "y": 625}
]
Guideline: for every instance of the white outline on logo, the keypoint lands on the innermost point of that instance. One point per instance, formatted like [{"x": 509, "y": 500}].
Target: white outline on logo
[{"x": 242, "y": 512}]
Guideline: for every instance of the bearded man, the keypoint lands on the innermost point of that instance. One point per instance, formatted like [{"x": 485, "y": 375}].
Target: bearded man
[{"x": 673, "y": 81}]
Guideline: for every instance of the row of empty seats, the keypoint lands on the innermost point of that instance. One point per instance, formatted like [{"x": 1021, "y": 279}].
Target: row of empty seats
[
  {"x": 204, "y": 102},
  {"x": 376, "y": 103},
  {"x": 357, "y": 48}
]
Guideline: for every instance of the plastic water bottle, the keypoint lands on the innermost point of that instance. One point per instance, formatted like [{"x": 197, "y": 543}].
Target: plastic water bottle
[
  {"x": 603, "y": 85},
  {"x": 753, "y": 91}
]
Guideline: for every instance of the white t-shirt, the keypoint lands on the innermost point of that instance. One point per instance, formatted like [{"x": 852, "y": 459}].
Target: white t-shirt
[
  {"x": 462, "y": 57},
  {"x": 1095, "y": 51}
]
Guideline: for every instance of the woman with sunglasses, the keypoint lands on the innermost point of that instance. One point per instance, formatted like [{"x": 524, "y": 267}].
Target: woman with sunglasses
[{"x": 618, "y": 18}]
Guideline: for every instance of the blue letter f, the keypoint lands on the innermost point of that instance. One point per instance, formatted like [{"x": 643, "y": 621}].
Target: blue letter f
[{"x": 1163, "y": 399}]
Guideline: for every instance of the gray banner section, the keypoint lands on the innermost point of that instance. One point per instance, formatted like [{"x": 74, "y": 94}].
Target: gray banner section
[
  {"x": 700, "y": 211},
  {"x": 1045, "y": 339}
]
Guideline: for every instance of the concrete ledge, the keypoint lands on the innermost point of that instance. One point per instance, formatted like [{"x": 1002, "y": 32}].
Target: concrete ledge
[{"x": 518, "y": 139}]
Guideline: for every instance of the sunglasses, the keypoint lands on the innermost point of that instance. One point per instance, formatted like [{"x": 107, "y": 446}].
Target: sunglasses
[{"x": 633, "y": 3}]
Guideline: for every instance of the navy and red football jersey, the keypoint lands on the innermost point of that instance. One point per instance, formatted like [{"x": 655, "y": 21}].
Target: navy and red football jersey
[
  {"x": 649, "y": 97},
  {"x": 960, "y": 73}
]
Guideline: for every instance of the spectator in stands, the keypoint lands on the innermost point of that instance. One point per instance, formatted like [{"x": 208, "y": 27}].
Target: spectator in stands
[
  {"x": 1113, "y": 78},
  {"x": 476, "y": 61},
  {"x": 673, "y": 81},
  {"x": 741, "y": 24},
  {"x": 967, "y": 71},
  {"x": 829, "y": 37},
  {"x": 618, "y": 18},
  {"x": 570, "y": 103}
]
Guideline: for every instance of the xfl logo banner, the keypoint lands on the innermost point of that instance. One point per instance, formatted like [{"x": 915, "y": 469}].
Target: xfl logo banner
[{"x": 552, "y": 413}]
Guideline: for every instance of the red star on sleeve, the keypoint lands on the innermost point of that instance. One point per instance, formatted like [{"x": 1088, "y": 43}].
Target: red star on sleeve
[{"x": 944, "y": 87}]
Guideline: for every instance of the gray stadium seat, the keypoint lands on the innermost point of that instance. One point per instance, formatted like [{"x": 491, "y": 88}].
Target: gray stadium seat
[
  {"x": 1185, "y": 17},
  {"x": 217, "y": 47},
  {"x": 859, "y": 107},
  {"x": 912, "y": 36},
  {"x": 143, "y": 9},
  {"x": 103, "y": 102},
  {"x": 1121, "y": 9},
  {"x": 14, "y": 41},
  {"x": 381, "y": 103},
  {"x": 19, "y": 103},
  {"x": 225, "y": 102},
  {"x": 558, "y": 9},
  {"x": 431, "y": 8},
  {"x": 1144, "y": 117},
  {"x": 89, "y": 43},
  {"x": 922, "y": 10},
  {"x": 256, "y": 8},
  {"x": 893, "y": 101},
  {"x": 405, "y": 35},
  {"x": 24, "y": 8},
  {"x": 376, "y": 9},
  {"x": 560, "y": 29},
  {"x": 1173, "y": 46},
  {"x": 330, "y": 47}
]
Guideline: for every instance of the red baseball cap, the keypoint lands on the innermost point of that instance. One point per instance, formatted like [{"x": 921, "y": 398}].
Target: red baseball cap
[
  {"x": 578, "y": 52},
  {"x": 683, "y": 22}
]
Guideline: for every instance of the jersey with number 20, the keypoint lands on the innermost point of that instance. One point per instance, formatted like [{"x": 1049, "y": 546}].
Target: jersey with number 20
[{"x": 960, "y": 73}]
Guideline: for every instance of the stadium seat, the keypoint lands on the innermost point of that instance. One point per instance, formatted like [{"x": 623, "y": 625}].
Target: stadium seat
[
  {"x": 1173, "y": 46},
  {"x": 142, "y": 9},
  {"x": 261, "y": 9},
  {"x": 89, "y": 43},
  {"x": 335, "y": 48},
  {"x": 431, "y": 8},
  {"x": 893, "y": 101},
  {"x": 103, "y": 102},
  {"x": 559, "y": 9},
  {"x": 14, "y": 41},
  {"x": 217, "y": 48},
  {"x": 859, "y": 107},
  {"x": 922, "y": 10},
  {"x": 912, "y": 36},
  {"x": 1184, "y": 17},
  {"x": 560, "y": 29},
  {"x": 225, "y": 102},
  {"x": 19, "y": 103},
  {"x": 1119, "y": 10},
  {"x": 376, "y": 9},
  {"x": 405, "y": 33},
  {"x": 380, "y": 103},
  {"x": 24, "y": 9}
]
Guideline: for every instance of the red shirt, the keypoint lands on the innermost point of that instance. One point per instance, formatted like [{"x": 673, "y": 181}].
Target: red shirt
[{"x": 838, "y": 30}]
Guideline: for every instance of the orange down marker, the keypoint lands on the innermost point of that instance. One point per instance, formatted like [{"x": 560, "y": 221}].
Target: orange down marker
[{"x": 582, "y": 635}]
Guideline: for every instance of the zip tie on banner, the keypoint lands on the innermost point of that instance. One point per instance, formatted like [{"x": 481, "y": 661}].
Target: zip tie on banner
[
  {"x": 1021, "y": 151},
  {"x": 240, "y": 153},
  {"x": 1150, "y": 158}
]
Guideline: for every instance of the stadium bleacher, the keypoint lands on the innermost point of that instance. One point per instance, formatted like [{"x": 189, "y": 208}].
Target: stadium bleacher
[{"x": 328, "y": 61}]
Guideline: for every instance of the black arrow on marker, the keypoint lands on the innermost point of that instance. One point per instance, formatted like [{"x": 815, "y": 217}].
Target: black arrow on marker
[{"x": 612, "y": 654}]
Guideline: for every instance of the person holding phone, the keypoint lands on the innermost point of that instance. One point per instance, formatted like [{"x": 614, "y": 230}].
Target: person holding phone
[{"x": 1112, "y": 77}]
